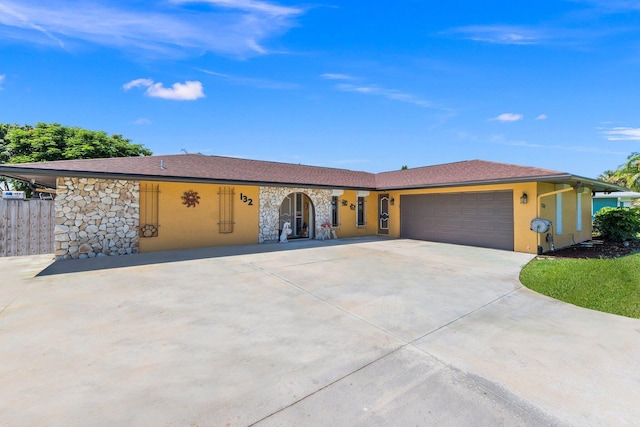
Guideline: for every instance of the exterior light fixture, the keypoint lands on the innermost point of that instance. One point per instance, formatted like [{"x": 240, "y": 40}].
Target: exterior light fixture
[
  {"x": 392, "y": 201},
  {"x": 523, "y": 198}
]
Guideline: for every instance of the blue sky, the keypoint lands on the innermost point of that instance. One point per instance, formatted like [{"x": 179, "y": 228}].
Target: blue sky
[{"x": 358, "y": 85}]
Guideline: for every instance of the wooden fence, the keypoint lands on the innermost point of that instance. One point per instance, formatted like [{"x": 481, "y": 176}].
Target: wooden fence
[{"x": 26, "y": 227}]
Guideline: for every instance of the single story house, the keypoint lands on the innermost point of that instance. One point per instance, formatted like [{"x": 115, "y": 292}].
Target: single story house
[
  {"x": 144, "y": 204},
  {"x": 620, "y": 199}
]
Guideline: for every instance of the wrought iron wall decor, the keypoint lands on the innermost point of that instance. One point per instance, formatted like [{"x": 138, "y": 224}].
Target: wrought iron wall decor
[
  {"x": 225, "y": 212},
  {"x": 149, "y": 230},
  {"x": 149, "y": 210},
  {"x": 190, "y": 198},
  {"x": 345, "y": 202}
]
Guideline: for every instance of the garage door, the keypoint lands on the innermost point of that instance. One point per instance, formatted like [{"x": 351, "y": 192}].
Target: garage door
[{"x": 476, "y": 219}]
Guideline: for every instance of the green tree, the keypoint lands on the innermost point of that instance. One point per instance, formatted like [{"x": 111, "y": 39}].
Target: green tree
[
  {"x": 48, "y": 142},
  {"x": 627, "y": 174}
]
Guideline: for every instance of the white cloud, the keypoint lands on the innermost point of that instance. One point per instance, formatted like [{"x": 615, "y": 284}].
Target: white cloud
[
  {"x": 500, "y": 34},
  {"x": 142, "y": 121},
  {"x": 248, "y": 6},
  {"x": 333, "y": 76},
  {"x": 498, "y": 139},
  {"x": 387, "y": 93},
  {"x": 137, "y": 83},
  {"x": 187, "y": 91},
  {"x": 508, "y": 117},
  {"x": 622, "y": 134},
  {"x": 542, "y": 117},
  {"x": 569, "y": 34},
  {"x": 256, "y": 82},
  {"x": 2, "y": 77},
  {"x": 9, "y": 14},
  {"x": 613, "y": 6},
  {"x": 235, "y": 27}
]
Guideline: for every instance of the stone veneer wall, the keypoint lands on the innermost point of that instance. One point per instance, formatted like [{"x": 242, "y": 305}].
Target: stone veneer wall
[
  {"x": 270, "y": 200},
  {"x": 96, "y": 217}
]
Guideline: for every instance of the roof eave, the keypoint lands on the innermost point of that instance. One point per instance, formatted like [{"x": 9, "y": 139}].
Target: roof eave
[
  {"x": 31, "y": 174},
  {"x": 563, "y": 178},
  {"x": 598, "y": 185},
  {"x": 27, "y": 174}
]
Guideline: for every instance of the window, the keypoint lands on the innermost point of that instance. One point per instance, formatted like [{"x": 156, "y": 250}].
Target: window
[
  {"x": 361, "y": 218},
  {"x": 558, "y": 224},
  {"x": 579, "y": 211},
  {"x": 149, "y": 210},
  {"x": 335, "y": 211},
  {"x": 225, "y": 210}
]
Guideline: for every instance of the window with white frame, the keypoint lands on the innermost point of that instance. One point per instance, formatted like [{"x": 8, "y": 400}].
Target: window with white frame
[
  {"x": 361, "y": 217},
  {"x": 335, "y": 211},
  {"x": 579, "y": 211},
  {"x": 558, "y": 224}
]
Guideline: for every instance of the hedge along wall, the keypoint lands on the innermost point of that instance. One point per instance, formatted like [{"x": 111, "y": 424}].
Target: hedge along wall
[{"x": 96, "y": 217}]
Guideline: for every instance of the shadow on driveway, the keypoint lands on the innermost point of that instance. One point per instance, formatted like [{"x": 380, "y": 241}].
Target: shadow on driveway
[{"x": 109, "y": 262}]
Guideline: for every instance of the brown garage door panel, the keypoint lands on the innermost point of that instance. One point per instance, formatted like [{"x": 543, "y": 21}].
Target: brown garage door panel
[{"x": 476, "y": 219}]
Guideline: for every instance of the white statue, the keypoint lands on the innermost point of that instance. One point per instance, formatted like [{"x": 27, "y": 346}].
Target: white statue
[
  {"x": 286, "y": 231},
  {"x": 324, "y": 231}
]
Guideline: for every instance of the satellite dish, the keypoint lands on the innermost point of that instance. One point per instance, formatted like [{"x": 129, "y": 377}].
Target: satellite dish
[{"x": 540, "y": 225}]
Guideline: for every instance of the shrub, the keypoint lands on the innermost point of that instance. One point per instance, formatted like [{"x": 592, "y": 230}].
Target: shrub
[{"x": 618, "y": 224}]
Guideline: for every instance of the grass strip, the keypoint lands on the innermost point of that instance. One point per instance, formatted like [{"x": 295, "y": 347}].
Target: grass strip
[{"x": 609, "y": 285}]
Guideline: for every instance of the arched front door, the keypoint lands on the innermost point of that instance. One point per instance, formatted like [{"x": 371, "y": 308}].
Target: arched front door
[{"x": 297, "y": 208}]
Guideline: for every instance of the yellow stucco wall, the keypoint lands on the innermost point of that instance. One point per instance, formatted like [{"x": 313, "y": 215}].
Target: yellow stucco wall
[
  {"x": 181, "y": 227},
  {"x": 548, "y": 208},
  {"x": 348, "y": 226},
  {"x": 195, "y": 227}
]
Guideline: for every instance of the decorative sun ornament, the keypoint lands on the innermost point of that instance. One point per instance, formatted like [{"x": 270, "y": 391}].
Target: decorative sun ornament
[{"x": 190, "y": 198}]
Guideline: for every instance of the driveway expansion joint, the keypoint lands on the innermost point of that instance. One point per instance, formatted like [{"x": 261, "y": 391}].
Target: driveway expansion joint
[
  {"x": 325, "y": 301},
  {"x": 466, "y": 314},
  {"x": 515, "y": 403},
  {"x": 326, "y": 386}
]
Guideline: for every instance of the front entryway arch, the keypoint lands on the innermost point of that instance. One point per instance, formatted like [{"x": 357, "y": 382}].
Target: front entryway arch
[
  {"x": 298, "y": 209},
  {"x": 271, "y": 199}
]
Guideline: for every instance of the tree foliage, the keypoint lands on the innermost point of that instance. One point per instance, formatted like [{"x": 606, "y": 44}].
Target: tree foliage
[
  {"x": 627, "y": 174},
  {"x": 47, "y": 142}
]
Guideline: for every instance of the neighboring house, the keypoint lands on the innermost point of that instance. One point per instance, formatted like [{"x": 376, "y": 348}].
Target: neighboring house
[
  {"x": 621, "y": 199},
  {"x": 145, "y": 204}
]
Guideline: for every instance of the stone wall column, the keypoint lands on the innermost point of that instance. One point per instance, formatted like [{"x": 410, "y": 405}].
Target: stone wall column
[{"x": 96, "y": 217}]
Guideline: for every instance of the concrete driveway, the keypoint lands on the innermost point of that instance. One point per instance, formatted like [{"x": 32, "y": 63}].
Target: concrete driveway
[{"x": 362, "y": 332}]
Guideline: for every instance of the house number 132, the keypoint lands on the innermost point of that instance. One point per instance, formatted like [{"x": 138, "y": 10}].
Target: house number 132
[{"x": 246, "y": 199}]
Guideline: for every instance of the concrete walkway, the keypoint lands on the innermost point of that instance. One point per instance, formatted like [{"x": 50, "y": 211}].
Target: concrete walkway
[{"x": 355, "y": 332}]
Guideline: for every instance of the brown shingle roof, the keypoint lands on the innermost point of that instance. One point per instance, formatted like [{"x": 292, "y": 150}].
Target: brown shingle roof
[
  {"x": 198, "y": 167},
  {"x": 214, "y": 168},
  {"x": 466, "y": 172}
]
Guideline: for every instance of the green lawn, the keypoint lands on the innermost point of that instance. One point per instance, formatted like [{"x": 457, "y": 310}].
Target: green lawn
[{"x": 609, "y": 285}]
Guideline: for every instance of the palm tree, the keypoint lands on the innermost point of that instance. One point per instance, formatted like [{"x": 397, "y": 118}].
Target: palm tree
[
  {"x": 630, "y": 171},
  {"x": 627, "y": 174},
  {"x": 610, "y": 176}
]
